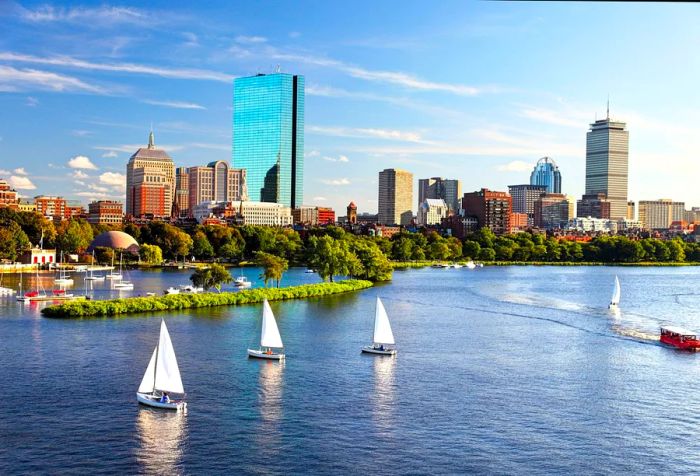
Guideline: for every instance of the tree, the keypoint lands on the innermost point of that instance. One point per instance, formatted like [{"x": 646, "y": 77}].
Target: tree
[
  {"x": 151, "y": 254},
  {"x": 329, "y": 257},
  {"x": 74, "y": 235},
  {"x": 402, "y": 248},
  {"x": 201, "y": 247},
  {"x": 470, "y": 249},
  {"x": 212, "y": 277},
  {"x": 375, "y": 266},
  {"x": 676, "y": 251},
  {"x": 273, "y": 266},
  {"x": 13, "y": 241},
  {"x": 104, "y": 255},
  {"x": 487, "y": 254}
]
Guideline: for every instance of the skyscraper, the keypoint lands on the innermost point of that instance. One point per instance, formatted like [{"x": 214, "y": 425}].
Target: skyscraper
[
  {"x": 607, "y": 162},
  {"x": 524, "y": 197},
  {"x": 216, "y": 182},
  {"x": 439, "y": 188},
  {"x": 268, "y": 136},
  {"x": 546, "y": 173},
  {"x": 395, "y": 197},
  {"x": 491, "y": 209},
  {"x": 150, "y": 182}
]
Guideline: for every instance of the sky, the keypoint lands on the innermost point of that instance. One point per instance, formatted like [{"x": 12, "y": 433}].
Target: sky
[{"x": 465, "y": 90}]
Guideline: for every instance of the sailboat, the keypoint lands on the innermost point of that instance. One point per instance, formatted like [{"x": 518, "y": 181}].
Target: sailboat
[
  {"x": 7, "y": 291},
  {"x": 615, "y": 300},
  {"x": 92, "y": 277},
  {"x": 383, "y": 340},
  {"x": 123, "y": 285},
  {"x": 112, "y": 275},
  {"x": 162, "y": 376},
  {"x": 62, "y": 277},
  {"x": 269, "y": 337}
]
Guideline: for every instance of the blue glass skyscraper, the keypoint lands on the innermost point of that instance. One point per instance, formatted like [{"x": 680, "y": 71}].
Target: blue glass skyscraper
[
  {"x": 268, "y": 136},
  {"x": 546, "y": 173}
]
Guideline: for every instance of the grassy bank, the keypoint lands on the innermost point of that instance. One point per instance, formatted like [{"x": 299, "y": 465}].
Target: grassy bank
[
  {"x": 176, "y": 302},
  {"x": 423, "y": 264}
]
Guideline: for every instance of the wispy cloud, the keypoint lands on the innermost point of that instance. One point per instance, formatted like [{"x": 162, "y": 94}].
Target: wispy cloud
[
  {"x": 81, "y": 162},
  {"x": 15, "y": 80},
  {"x": 320, "y": 199},
  {"x": 515, "y": 166},
  {"x": 70, "y": 62},
  {"x": 131, "y": 148},
  {"x": 80, "y": 133},
  {"x": 110, "y": 155},
  {"x": 249, "y": 40},
  {"x": 32, "y": 101},
  {"x": 341, "y": 158},
  {"x": 20, "y": 171},
  {"x": 21, "y": 183},
  {"x": 174, "y": 104},
  {"x": 104, "y": 13},
  {"x": 389, "y": 134},
  {"x": 340, "y": 181},
  {"x": 79, "y": 174}
]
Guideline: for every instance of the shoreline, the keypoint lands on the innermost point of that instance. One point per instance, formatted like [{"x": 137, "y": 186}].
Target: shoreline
[
  {"x": 425, "y": 264},
  {"x": 176, "y": 302}
]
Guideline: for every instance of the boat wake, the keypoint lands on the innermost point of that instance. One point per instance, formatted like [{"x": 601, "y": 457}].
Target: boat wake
[{"x": 635, "y": 333}]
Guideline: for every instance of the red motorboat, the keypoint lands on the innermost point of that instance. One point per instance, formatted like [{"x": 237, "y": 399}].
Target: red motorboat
[{"x": 680, "y": 338}]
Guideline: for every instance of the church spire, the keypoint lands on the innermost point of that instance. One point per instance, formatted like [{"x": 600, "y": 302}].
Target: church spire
[{"x": 151, "y": 140}]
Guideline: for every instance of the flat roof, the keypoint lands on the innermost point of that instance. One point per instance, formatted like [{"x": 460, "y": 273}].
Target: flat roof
[{"x": 678, "y": 330}]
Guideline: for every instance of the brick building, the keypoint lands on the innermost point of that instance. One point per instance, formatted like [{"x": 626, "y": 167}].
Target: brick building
[{"x": 491, "y": 209}]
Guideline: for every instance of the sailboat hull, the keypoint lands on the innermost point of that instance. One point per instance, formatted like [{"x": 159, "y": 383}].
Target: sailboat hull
[
  {"x": 373, "y": 350},
  {"x": 259, "y": 354},
  {"x": 154, "y": 401}
]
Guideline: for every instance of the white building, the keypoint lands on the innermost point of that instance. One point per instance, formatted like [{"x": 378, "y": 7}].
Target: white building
[
  {"x": 432, "y": 211},
  {"x": 592, "y": 224},
  {"x": 252, "y": 213}
]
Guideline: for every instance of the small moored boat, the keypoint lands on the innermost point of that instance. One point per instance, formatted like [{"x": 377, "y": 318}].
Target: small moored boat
[
  {"x": 269, "y": 337},
  {"x": 383, "y": 340},
  {"x": 162, "y": 377},
  {"x": 242, "y": 282},
  {"x": 172, "y": 290},
  {"x": 680, "y": 338}
]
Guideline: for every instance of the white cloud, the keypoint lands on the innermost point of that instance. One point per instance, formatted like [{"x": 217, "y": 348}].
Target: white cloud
[
  {"x": 515, "y": 166},
  {"x": 131, "y": 148},
  {"x": 312, "y": 153},
  {"x": 21, "y": 183},
  {"x": 32, "y": 101},
  {"x": 80, "y": 133},
  {"x": 67, "y": 61},
  {"x": 341, "y": 181},
  {"x": 20, "y": 171},
  {"x": 14, "y": 80},
  {"x": 320, "y": 199},
  {"x": 110, "y": 155},
  {"x": 174, "y": 104},
  {"x": 81, "y": 162},
  {"x": 98, "y": 188},
  {"x": 389, "y": 134},
  {"x": 341, "y": 158},
  {"x": 104, "y": 13},
  {"x": 248, "y": 40},
  {"x": 4, "y": 172},
  {"x": 113, "y": 179},
  {"x": 79, "y": 174}
]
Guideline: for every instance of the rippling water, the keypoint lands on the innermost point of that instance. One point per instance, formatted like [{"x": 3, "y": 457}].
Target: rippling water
[{"x": 499, "y": 370}]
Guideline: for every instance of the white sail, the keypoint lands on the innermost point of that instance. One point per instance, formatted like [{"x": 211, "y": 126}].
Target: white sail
[
  {"x": 167, "y": 373},
  {"x": 270, "y": 336},
  {"x": 616, "y": 293},
  {"x": 148, "y": 377},
  {"x": 382, "y": 328}
]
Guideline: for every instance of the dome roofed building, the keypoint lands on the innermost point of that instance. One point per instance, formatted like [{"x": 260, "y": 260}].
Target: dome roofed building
[{"x": 117, "y": 240}]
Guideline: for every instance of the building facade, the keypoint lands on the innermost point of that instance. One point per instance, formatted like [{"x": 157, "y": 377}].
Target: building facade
[
  {"x": 595, "y": 205},
  {"x": 216, "y": 182},
  {"x": 631, "y": 211},
  {"x": 553, "y": 211},
  {"x": 523, "y": 197},
  {"x": 181, "y": 207},
  {"x": 395, "y": 197},
  {"x": 326, "y": 215},
  {"x": 491, "y": 209},
  {"x": 51, "y": 207},
  {"x": 659, "y": 214},
  {"x": 8, "y": 196},
  {"x": 607, "y": 151},
  {"x": 245, "y": 212},
  {"x": 105, "y": 212},
  {"x": 150, "y": 182},
  {"x": 546, "y": 174},
  {"x": 432, "y": 211},
  {"x": 352, "y": 213},
  {"x": 437, "y": 188},
  {"x": 268, "y": 136}
]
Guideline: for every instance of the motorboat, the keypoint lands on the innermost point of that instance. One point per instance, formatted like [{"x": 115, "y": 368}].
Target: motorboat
[
  {"x": 680, "y": 338},
  {"x": 242, "y": 282},
  {"x": 269, "y": 337},
  {"x": 172, "y": 290},
  {"x": 383, "y": 339},
  {"x": 190, "y": 289},
  {"x": 162, "y": 377},
  {"x": 471, "y": 265},
  {"x": 309, "y": 271}
]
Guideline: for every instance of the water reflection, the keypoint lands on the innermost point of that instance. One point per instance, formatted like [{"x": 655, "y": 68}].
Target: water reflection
[
  {"x": 270, "y": 406},
  {"x": 383, "y": 397},
  {"x": 162, "y": 436}
]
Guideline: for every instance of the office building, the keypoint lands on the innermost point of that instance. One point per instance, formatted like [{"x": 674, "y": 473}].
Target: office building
[
  {"x": 631, "y": 215},
  {"x": 523, "y": 197},
  {"x": 51, "y": 207},
  {"x": 438, "y": 188},
  {"x": 245, "y": 212},
  {"x": 553, "y": 210},
  {"x": 659, "y": 214},
  {"x": 431, "y": 212},
  {"x": 594, "y": 205},
  {"x": 395, "y": 197},
  {"x": 181, "y": 206},
  {"x": 607, "y": 164},
  {"x": 150, "y": 182},
  {"x": 268, "y": 136},
  {"x": 105, "y": 212},
  {"x": 216, "y": 182},
  {"x": 491, "y": 209},
  {"x": 546, "y": 173},
  {"x": 8, "y": 196}
]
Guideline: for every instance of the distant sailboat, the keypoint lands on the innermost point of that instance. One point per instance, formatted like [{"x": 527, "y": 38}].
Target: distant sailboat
[
  {"x": 92, "y": 277},
  {"x": 383, "y": 339},
  {"x": 269, "y": 337},
  {"x": 615, "y": 300},
  {"x": 162, "y": 376},
  {"x": 123, "y": 285},
  {"x": 112, "y": 275},
  {"x": 62, "y": 277}
]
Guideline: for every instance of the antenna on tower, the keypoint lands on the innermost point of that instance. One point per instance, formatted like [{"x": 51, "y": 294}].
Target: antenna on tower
[
  {"x": 277, "y": 68},
  {"x": 608, "y": 110}
]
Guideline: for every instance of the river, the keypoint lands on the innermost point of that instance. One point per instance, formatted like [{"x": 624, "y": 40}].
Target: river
[{"x": 516, "y": 370}]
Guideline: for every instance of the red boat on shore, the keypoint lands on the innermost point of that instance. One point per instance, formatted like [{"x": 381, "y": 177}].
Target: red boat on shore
[{"x": 680, "y": 338}]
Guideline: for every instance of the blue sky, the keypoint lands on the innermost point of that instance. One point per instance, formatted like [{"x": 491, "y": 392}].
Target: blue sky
[{"x": 474, "y": 91}]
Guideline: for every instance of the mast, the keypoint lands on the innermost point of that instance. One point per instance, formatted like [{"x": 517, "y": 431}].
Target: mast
[{"x": 155, "y": 364}]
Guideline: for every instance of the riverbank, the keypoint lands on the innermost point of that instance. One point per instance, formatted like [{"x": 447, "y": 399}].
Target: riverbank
[
  {"x": 424, "y": 264},
  {"x": 114, "y": 307}
]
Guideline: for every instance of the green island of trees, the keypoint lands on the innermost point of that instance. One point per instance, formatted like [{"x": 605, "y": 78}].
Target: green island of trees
[{"x": 175, "y": 302}]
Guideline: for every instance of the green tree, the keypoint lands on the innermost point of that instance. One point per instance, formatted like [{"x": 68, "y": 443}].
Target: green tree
[
  {"x": 151, "y": 254},
  {"x": 104, "y": 255},
  {"x": 471, "y": 249},
  {"x": 273, "y": 266},
  {"x": 375, "y": 266},
  {"x": 402, "y": 248},
  {"x": 328, "y": 256},
  {"x": 487, "y": 254},
  {"x": 676, "y": 251},
  {"x": 201, "y": 248},
  {"x": 13, "y": 241},
  {"x": 74, "y": 235},
  {"x": 213, "y": 276}
]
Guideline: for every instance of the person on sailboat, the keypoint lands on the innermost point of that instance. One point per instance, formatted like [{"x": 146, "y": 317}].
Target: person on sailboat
[{"x": 164, "y": 398}]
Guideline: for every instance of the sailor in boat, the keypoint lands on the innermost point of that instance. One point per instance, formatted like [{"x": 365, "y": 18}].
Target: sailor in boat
[{"x": 164, "y": 398}]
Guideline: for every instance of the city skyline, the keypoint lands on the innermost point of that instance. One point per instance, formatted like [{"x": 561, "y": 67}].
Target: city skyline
[{"x": 80, "y": 86}]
